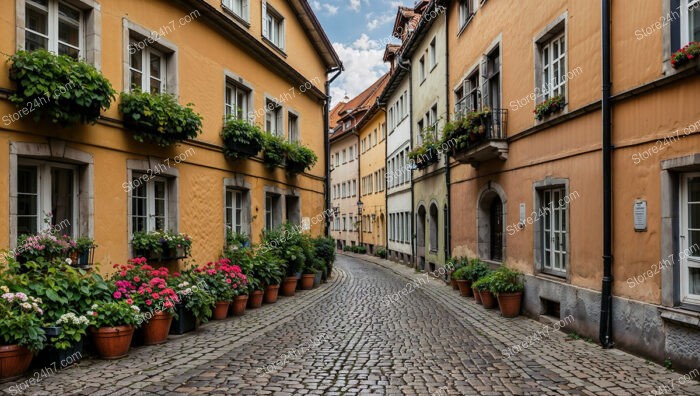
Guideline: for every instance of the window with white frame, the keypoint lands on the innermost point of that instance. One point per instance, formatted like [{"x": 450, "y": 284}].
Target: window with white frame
[
  {"x": 351, "y": 153},
  {"x": 421, "y": 68},
  {"x": 238, "y": 7},
  {"x": 553, "y": 57},
  {"x": 466, "y": 11},
  {"x": 236, "y": 104},
  {"x": 554, "y": 205},
  {"x": 273, "y": 210},
  {"x": 55, "y": 26},
  {"x": 492, "y": 80},
  {"x": 690, "y": 21},
  {"x": 149, "y": 203},
  {"x": 147, "y": 68},
  {"x": 690, "y": 238},
  {"x": 234, "y": 210},
  {"x": 46, "y": 190},
  {"x": 432, "y": 53},
  {"x": 345, "y": 156},
  {"x": 293, "y": 127},
  {"x": 273, "y": 25},
  {"x": 274, "y": 115}
]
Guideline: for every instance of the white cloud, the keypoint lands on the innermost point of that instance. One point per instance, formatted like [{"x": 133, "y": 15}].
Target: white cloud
[
  {"x": 355, "y": 5},
  {"x": 375, "y": 21},
  {"x": 363, "y": 66},
  {"x": 326, "y": 8}
]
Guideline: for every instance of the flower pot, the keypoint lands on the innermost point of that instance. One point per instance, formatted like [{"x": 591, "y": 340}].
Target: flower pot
[
  {"x": 237, "y": 307},
  {"x": 220, "y": 310},
  {"x": 307, "y": 281},
  {"x": 289, "y": 286},
  {"x": 477, "y": 295},
  {"x": 453, "y": 283},
  {"x": 465, "y": 287},
  {"x": 271, "y": 292},
  {"x": 156, "y": 330},
  {"x": 14, "y": 361},
  {"x": 53, "y": 331},
  {"x": 255, "y": 299},
  {"x": 488, "y": 300},
  {"x": 185, "y": 321},
  {"x": 317, "y": 279},
  {"x": 112, "y": 342},
  {"x": 510, "y": 304},
  {"x": 298, "y": 276},
  {"x": 52, "y": 357}
]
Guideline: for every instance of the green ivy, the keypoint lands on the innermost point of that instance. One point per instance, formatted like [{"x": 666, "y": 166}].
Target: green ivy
[
  {"x": 159, "y": 118},
  {"x": 506, "y": 280},
  {"x": 241, "y": 139},
  {"x": 275, "y": 150},
  {"x": 59, "y": 88},
  {"x": 300, "y": 158}
]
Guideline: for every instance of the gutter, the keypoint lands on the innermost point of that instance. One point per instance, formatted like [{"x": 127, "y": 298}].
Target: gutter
[
  {"x": 605, "y": 335},
  {"x": 327, "y": 144},
  {"x": 448, "y": 169}
]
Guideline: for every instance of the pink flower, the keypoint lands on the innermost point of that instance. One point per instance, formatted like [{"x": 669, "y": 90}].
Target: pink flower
[
  {"x": 129, "y": 301},
  {"x": 149, "y": 302},
  {"x": 117, "y": 295}
]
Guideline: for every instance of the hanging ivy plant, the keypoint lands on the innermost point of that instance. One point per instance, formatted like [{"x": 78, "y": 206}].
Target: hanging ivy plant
[
  {"x": 275, "y": 150},
  {"x": 59, "y": 88},
  {"x": 241, "y": 139},
  {"x": 300, "y": 158},
  {"x": 159, "y": 118}
]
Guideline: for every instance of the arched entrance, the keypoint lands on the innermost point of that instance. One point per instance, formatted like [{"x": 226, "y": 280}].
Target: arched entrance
[{"x": 491, "y": 220}]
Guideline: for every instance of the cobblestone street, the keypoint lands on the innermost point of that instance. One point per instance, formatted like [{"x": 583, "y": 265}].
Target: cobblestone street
[{"x": 344, "y": 338}]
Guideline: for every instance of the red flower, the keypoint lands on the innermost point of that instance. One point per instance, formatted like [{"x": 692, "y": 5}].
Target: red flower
[
  {"x": 149, "y": 302},
  {"x": 129, "y": 301}
]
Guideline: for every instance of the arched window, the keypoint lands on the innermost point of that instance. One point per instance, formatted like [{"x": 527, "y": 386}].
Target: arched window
[{"x": 433, "y": 217}]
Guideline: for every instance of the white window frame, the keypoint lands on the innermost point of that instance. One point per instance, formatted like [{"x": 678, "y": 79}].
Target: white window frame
[
  {"x": 274, "y": 118},
  {"x": 550, "y": 64},
  {"x": 421, "y": 69},
  {"x": 43, "y": 189},
  {"x": 146, "y": 53},
  {"x": 685, "y": 19},
  {"x": 687, "y": 261},
  {"x": 548, "y": 230},
  {"x": 293, "y": 127},
  {"x": 53, "y": 17},
  {"x": 273, "y": 26},
  {"x": 151, "y": 201},
  {"x": 233, "y": 102},
  {"x": 432, "y": 54},
  {"x": 240, "y": 8},
  {"x": 236, "y": 208}
]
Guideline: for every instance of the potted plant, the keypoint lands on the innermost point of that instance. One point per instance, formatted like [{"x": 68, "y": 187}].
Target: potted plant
[
  {"x": 267, "y": 269},
  {"x": 300, "y": 158},
  {"x": 308, "y": 276},
  {"x": 479, "y": 269},
  {"x": 20, "y": 332},
  {"x": 85, "y": 248},
  {"x": 148, "y": 245},
  {"x": 241, "y": 286},
  {"x": 464, "y": 283},
  {"x": 275, "y": 150},
  {"x": 63, "y": 90},
  {"x": 159, "y": 118},
  {"x": 221, "y": 280},
  {"x": 146, "y": 287},
  {"x": 45, "y": 245},
  {"x": 195, "y": 304},
  {"x": 453, "y": 264},
  {"x": 508, "y": 286},
  {"x": 291, "y": 246},
  {"x": 241, "y": 139},
  {"x": 176, "y": 245},
  {"x": 65, "y": 345},
  {"x": 483, "y": 285},
  {"x": 550, "y": 106},
  {"x": 112, "y": 326},
  {"x": 161, "y": 245},
  {"x": 255, "y": 293},
  {"x": 685, "y": 55}
]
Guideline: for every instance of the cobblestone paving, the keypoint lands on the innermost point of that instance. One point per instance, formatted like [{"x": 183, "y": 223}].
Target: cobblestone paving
[{"x": 345, "y": 339}]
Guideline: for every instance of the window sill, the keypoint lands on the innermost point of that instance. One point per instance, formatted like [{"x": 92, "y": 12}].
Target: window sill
[
  {"x": 464, "y": 27},
  {"x": 243, "y": 21},
  {"x": 680, "y": 316},
  {"x": 551, "y": 277},
  {"x": 433, "y": 68},
  {"x": 275, "y": 47}
]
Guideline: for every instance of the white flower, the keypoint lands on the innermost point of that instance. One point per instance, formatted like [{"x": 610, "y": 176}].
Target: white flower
[
  {"x": 135, "y": 308},
  {"x": 69, "y": 261},
  {"x": 26, "y": 306},
  {"x": 4, "y": 289},
  {"x": 90, "y": 313}
]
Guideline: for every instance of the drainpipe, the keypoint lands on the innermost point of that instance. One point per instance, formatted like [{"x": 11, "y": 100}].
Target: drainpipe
[
  {"x": 406, "y": 65},
  {"x": 448, "y": 216},
  {"x": 327, "y": 145},
  {"x": 606, "y": 298},
  {"x": 382, "y": 107}
]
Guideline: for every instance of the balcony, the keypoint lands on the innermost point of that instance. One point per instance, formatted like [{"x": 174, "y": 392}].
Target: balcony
[{"x": 479, "y": 136}]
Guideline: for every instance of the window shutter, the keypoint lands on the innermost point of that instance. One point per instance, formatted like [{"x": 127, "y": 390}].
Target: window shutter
[
  {"x": 281, "y": 33},
  {"x": 280, "y": 126},
  {"x": 675, "y": 25},
  {"x": 485, "y": 95},
  {"x": 264, "y": 18},
  {"x": 244, "y": 10}
]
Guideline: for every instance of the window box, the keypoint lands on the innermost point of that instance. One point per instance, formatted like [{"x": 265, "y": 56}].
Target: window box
[
  {"x": 161, "y": 246},
  {"x": 424, "y": 156},
  {"x": 58, "y": 88},
  {"x": 159, "y": 118},
  {"x": 548, "y": 107},
  {"x": 275, "y": 150},
  {"x": 300, "y": 158},
  {"x": 685, "y": 55},
  {"x": 478, "y": 136},
  {"x": 241, "y": 139}
]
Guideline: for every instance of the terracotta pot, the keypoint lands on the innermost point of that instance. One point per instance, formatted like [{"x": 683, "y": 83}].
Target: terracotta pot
[
  {"x": 220, "y": 310},
  {"x": 510, "y": 304},
  {"x": 112, "y": 342},
  {"x": 289, "y": 286},
  {"x": 14, "y": 361},
  {"x": 488, "y": 299},
  {"x": 307, "y": 281},
  {"x": 255, "y": 299},
  {"x": 465, "y": 288},
  {"x": 453, "y": 283},
  {"x": 237, "y": 307},
  {"x": 271, "y": 292},
  {"x": 477, "y": 295},
  {"x": 156, "y": 330}
]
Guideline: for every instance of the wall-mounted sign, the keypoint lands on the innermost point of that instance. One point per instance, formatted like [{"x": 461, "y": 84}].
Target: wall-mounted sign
[
  {"x": 523, "y": 208},
  {"x": 640, "y": 215},
  {"x": 306, "y": 224}
]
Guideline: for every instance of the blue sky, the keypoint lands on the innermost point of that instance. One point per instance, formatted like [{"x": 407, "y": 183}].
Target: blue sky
[{"x": 359, "y": 31}]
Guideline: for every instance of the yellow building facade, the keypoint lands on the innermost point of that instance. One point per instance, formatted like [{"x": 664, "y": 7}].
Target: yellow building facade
[{"x": 267, "y": 60}]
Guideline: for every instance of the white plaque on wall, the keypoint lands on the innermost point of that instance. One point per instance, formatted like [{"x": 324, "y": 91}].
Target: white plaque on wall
[{"x": 640, "y": 215}]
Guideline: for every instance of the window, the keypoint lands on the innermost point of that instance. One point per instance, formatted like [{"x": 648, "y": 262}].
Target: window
[
  {"x": 273, "y": 25},
  {"x": 234, "y": 210},
  {"x": 344, "y": 192},
  {"x": 354, "y": 188},
  {"x": 273, "y": 210},
  {"x": 554, "y": 230},
  {"x": 146, "y": 68},
  {"x": 54, "y": 26},
  {"x": 273, "y": 118},
  {"x": 466, "y": 11},
  {"x": 553, "y": 56},
  {"x": 238, "y": 7},
  {"x": 363, "y": 145},
  {"x": 269, "y": 212},
  {"x": 492, "y": 80},
  {"x": 351, "y": 153},
  {"x": 236, "y": 101},
  {"x": 383, "y": 129},
  {"x": 421, "y": 68},
  {"x": 690, "y": 21},
  {"x": 46, "y": 189},
  {"x": 375, "y": 136},
  {"x": 345, "y": 157},
  {"x": 337, "y": 159},
  {"x": 690, "y": 238},
  {"x": 345, "y": 223},
  {"x": 149, "y": 203},
  {"x": 432, "y": 55},
  {"x": 293, "y": 127}
]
